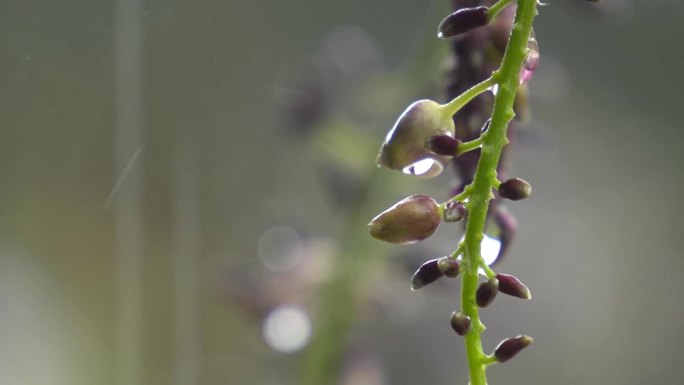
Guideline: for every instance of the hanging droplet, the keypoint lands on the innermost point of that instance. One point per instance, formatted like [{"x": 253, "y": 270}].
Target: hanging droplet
[
  {"x": 423, "y": 167},
  {"x": 531, "y": 61}
]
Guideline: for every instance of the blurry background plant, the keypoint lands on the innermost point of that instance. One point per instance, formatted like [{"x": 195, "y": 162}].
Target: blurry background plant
[{"x": 257, "y": 129}]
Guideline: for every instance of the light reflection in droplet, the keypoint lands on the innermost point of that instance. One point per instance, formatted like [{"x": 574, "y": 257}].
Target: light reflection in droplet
[
  {"x": 489, "y": 250},
  {"x": 421, "y": 167},
  {"x": 287, "y": 328},
  {"x": 280, "y": 248}
]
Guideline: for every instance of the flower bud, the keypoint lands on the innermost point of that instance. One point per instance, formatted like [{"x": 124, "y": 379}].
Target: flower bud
[
  {"x": 454, "y": 211},
  {"x": 404, "y": 147},
  {"x": 486, "y": 292},
  {"x": 509, "y": 347},
  {"x": 515, "y": 189},
  {"x": 462, "y": 21},
  {"x": 410, "y": 220},
  {"x": 511, "y": 285},
  {"x": 443, "y": 145},
  {"x": 427, "y": 273},
  {"x": 460, "y": 323},
  {"x": 449, "y": 266}
]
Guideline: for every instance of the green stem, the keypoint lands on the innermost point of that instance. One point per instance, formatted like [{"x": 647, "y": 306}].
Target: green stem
[
  {"x": 496, "y": 8},
  {"x": 480, "y": 193},
  {"x": 461, "y": 100}
]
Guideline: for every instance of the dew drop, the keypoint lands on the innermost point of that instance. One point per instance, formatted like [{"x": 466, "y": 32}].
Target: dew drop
[
  {"x": 489, "y": 249},
  {"x": 531, "y": 61},
  {"x": 423, "y": 167},
  {"x": 287, "y": 328}
]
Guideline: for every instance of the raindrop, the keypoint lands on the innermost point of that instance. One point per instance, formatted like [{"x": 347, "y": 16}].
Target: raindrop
[
  {"x": 423, "y": 167},
  {"x": 531, "y": 61},
  {"x": 287, "y": 328},
  {"x": 494, "y": 89},
  {"x": 489, "y": 249},
  {"x": 280, "y": 248}
]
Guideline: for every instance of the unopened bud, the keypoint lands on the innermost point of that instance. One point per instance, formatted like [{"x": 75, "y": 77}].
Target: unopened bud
[
  {"x": 486, "y": 292},
  {"x": 515, "y": 189},
  {"x": 462, "y": 21},
  {"x": 443, "y": 145},
  {"x": 404, "y": 147},
  {"x": 427, "y": 273},
  {"x": 509, "y": 347},
  {"x": 410, "y": 220},
  {"x": 454, "y": 211},
  {"x": 449, "y": 266},
  {"x": 460, "y": 323},
  {"x": 511, "y": 285}
]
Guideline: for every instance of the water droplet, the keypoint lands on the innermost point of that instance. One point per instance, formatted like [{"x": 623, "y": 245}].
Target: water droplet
[
  {"x": 489, "y": 250},
  {"x": 531, "y": 61},
  {"x": 494, "y": 89},
  {"x": 280, "y": 248},
  {"x": 287, "y": 328},
  {"x": 423, "y": 167}
]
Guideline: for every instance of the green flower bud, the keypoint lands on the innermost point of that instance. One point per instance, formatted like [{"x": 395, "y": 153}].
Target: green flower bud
[
  {"x": 404, "y": 147},
  {"x": 511, "y": 285},
  {"x": 486, "y": 292},
  {"x": 515, "y": 189},
  {"x": 410, "y": 220},
  {"x": 460, "y": 323},
  {"x": 509, "y": 347}
]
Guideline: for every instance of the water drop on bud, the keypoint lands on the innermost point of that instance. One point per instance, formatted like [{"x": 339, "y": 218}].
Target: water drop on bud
[
  {"x": 454, "y": 211},
  {"x": 443, "y": 145},
  {"x": 449, "y": 266},
  {"x": 486, "y": 292},
  {"x": 404, "y": 147},
  {"x": 427, "y": 273},
  {"x": 511, "y": 285},
  {"x": 515, "y": 189},
  {"x": 410, "y": 220},
  {"x": 509, "y": 347},
  {"x": 460, "y": 323},
  {"x": 531, "y": 60},
  {"x": 462, "y": 21}
]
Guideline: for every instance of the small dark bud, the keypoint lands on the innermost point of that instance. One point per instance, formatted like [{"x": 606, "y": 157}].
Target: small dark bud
[
  {"x": 426, "y": 274},
  {"x": 511, "y": 285},
  {"x": 460, "y": 323},
  {"x": 454, "y": 211},
  {"x": 410, "y": 220},
  {"x": 515, "y": 189},
  {"x": 449, "y": 266},
  {"x": 443, "y": 145},
  {"x": 509, "y": 347},
  {"x": 486, "y": 292},
  {"x": 462, "y": 21}
]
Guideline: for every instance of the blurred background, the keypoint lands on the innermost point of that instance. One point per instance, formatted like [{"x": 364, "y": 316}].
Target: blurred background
[{"x": 184, "y": 189}]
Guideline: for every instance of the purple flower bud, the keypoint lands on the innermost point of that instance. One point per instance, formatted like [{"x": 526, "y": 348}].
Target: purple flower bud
[
  {"x": 460, "y": 323},
  {"x": 486, "y": 292},
  {"x": 443, "y": 145},
  {"x": 511, "y": 285},
  {"x": 410, "y": 220},
  {"x": 404, "y": 147},
  {"x": 454, "y": 211},
  {"x": 515, "y": 189},
  {"x": 449, "y": 266},
  {"x": 427, "y": 273},
  {"x": 462, "y": 21},
  {"x": 509, "y": 347}
]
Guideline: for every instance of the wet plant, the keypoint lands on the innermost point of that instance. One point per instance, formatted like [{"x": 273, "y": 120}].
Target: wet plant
[{"x": 500, "y": 52}]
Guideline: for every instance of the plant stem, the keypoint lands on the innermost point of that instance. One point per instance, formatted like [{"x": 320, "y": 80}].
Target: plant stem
[
  {"x": 478, "y": 203},
  {"x": 461, "y": 100}
]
